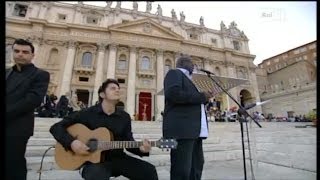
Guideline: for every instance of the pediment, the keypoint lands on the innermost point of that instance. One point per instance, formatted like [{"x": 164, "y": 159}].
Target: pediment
[{"x": 146, "y": 27}]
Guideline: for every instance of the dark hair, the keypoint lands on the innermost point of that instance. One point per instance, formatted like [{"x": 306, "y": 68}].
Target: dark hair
[
  {"x": 181, "y": 62},
  {"x": 23, "y": 42},
  {"x": 105, "y": 85}
]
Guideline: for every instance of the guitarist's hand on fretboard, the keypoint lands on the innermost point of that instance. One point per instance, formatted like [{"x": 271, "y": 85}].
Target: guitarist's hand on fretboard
[
  {"x": 79, "y": 147},
  {"x": 146, "y": 147}
]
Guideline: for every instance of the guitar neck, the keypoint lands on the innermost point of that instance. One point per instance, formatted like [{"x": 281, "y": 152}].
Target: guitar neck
[{"x": 123, "y": 144}]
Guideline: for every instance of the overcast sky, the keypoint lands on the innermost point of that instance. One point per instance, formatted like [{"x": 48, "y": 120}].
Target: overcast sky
[{"x": 272, "y": 27}]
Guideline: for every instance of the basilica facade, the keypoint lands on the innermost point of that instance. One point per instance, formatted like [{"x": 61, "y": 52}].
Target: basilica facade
[{"x": 82, "y": 45}]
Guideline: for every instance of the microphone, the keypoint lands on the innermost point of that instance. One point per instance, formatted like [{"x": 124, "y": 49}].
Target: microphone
[
  {"x": 250, "y": 106},
  {"x": 255, "y": 104},
  {"x": 206, "y": 71}
]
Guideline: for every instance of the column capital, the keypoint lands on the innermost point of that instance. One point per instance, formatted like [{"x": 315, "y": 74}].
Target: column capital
[
  {"x": 206, "y": 60},
  {"x": 71, "y": 44},
  {"x": 159, "y": 51},
  {"x": 178, "y": 54},
  {"x": 113, "y": 46},
  {"x": 133, "y": 48},
  {"x": 101, "y": 46},
  {"x": 35, "y": 39}
]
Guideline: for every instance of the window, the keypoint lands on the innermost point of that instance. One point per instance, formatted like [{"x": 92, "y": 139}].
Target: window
[
  {"x": 84, "y": 79},
  {"x": 145, "y": 63},
  {"x": 193, "y": 36},
  {"x": 20, "y": 10},
  {"x": 236, "y": 45},
  {"x": 62, "y": 17},
  {"x": 86, "y": 59},
  {"x": 122, "y": 63},
  {"x": 92, "y": 20},
  {"x": 8, "y": 53},
  {"x": 214, "y": 41},
  {"x": 121, "y": 81}
]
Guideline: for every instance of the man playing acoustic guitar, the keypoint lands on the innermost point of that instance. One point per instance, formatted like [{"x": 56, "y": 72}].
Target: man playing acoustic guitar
[{"x": 113, "y": 162}]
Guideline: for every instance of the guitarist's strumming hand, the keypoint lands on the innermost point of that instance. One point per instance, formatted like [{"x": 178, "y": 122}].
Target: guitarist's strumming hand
[
  {"x": 146, "y": 147},
  {"x": 79, "y": 147}
]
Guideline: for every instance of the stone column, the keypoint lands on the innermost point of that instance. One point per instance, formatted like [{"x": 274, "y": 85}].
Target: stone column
[
  {"x": 99, "y": 71},
  {"x": 90, "y": 98},
  {"x": 112, "y": 61},
  {"x": 207, "y": 65},
  {"x": 36, "y": 42},
  {"x": 232, "y": 73},
  {"x": 68, "y": 67},
  {"x": 176, "y": 56},
  {"x": 131, "y": 87},
  {"x": 159, "y": 98}
]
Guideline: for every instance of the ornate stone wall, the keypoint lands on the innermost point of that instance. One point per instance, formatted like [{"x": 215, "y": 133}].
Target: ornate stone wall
[{"x": 81, "y": 45}]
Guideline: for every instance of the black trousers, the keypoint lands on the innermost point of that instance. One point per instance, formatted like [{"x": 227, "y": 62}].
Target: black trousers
[
  {"x": 187, "y": 160},
  {"x": 15, "y": 161},
  {"x": 130, "y": 167}
]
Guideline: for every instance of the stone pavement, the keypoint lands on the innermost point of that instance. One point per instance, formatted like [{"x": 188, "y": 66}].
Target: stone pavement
[{"x": 279, "y": 151}]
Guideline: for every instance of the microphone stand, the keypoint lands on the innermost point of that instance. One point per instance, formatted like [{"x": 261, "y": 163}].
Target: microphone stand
[{"x": 242, "y": 111}]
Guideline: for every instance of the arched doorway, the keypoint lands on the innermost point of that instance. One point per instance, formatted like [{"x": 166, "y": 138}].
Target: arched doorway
[
  {"x": 245, "y": 97},
  {"x": 145, "y": 106}
]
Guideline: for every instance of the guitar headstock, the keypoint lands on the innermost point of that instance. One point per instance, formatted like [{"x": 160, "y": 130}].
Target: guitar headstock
[{"x": 166, "y": 143}]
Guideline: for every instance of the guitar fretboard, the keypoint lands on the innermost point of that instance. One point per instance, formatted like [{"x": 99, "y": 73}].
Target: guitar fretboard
[{"x": 122, "y": 144}]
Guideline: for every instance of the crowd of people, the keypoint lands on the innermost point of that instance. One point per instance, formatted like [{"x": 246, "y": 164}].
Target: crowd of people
[{"x": 51, "y": 107}]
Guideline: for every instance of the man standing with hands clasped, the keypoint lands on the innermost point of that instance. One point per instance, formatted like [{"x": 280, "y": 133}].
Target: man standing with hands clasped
[
  {"x": 26, "y": 86},
  {"x": 185, "y": 120}
]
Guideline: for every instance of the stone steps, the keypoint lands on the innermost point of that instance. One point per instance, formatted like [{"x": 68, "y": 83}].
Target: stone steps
[{"x": 277, "y": 144}]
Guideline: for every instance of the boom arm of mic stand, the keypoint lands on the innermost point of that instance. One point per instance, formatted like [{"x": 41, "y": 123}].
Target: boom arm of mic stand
[{"x": 224, "y": 90}]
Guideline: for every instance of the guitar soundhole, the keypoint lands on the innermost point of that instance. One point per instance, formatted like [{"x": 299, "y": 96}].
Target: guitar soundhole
[{"x": 92, "y": 144}]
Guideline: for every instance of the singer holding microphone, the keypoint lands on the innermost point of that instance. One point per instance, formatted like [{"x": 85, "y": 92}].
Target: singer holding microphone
[{"x": 185, "y": 119}]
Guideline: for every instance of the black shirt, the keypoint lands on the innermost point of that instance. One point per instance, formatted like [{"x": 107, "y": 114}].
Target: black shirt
[
  {"x": 15, "y": 74},
  {"x": 118, "y": 123}
]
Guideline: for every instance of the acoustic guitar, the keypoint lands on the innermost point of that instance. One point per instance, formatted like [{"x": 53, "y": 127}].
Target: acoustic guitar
[{"x": 97, "y": 140}]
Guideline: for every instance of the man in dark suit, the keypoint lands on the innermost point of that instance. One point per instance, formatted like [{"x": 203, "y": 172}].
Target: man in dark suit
[
  {"x": 118, "y": 122},
  {"x": 185, "y": 120},
  {"x": 26, "y": 86}
]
